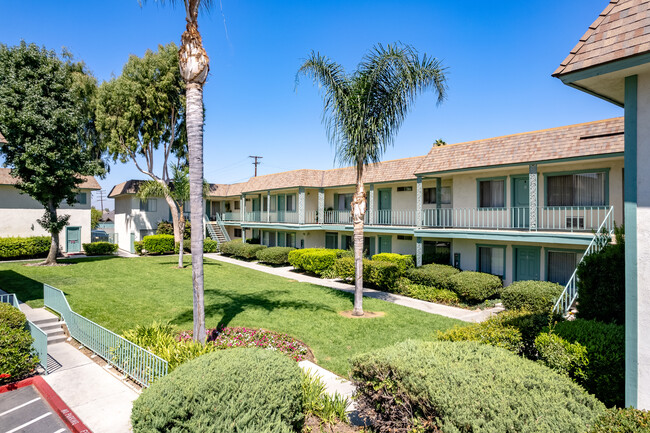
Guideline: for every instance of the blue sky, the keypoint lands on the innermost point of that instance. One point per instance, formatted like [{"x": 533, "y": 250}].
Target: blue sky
[{"x": 499, "y": 55}]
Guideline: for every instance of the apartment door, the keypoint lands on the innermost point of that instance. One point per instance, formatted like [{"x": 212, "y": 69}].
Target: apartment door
[
  {"x": 385, "y": 244},
  {"x": 331, "y": 240},
  {"x": 256, "y": 209},
  {"x": 73, "y": 236},
  {"x": 526, "y": 263},
  {"x": 132, "y": 244},
  {"x": 520, "y": 202},
  {"x": 369, "y": 245},
  {"x": 384, "y": 207},
  {"x": 281, "y": 207}
]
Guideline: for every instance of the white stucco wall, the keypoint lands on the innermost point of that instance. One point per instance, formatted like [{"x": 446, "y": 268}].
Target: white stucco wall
[{"x": 130, "y": 219}]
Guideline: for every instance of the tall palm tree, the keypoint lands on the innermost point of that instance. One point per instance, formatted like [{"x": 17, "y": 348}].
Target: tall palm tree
[
  {"x": 364, "y": 110},
  {"x": 195, "y": 65}
]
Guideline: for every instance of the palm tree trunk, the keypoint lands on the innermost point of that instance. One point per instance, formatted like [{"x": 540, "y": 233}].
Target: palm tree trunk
[
  {"x": 181, "y": 225},
  {"x": 54, "y": 245},
  {"x": 194, "y": 95},
  {"x": 358, "y": 213},
  {"x": 178, "y": 231}
]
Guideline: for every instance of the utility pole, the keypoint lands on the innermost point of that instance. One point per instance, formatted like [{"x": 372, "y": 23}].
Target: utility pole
[
  {"x": 101, "y": 193},
  {"x": 256, "y": 163}
]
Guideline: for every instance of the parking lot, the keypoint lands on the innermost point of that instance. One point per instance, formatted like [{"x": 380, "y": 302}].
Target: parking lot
[{"x": 25, "y": 411}]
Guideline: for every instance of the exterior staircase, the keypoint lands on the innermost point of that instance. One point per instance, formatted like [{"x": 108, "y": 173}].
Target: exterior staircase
[
  {"x": 52, "y": 328},
  {"x": 217, "y": 230}
]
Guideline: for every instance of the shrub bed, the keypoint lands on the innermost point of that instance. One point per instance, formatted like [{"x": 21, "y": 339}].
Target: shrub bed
[
  {"x": 158, "y": 244},
  {"x": 314, "y": 260},
  {"x": 605, "y": 343},
  {"x": 426, "y": 293},
  {"x": 562, "y": 356},
  {"x": 383, "y": 275},
  {"x": 467, "y": 387},
  {"x": 243, "y": 390},
  {"x": 618, "y": 420},
  {"x": 21, "y": 248},
  {"x": 16, "y": 357},
  {"x": 535, "y": 296},
  {"x": 240, "y": 249},
  {"x": 432, "y": 275},
  {"x": 475, "y": 286},
  {"x": 210, "y": 246},
  {"x": 402, "y": 261},
  {"x": 99, "y": 248},
  {"x": 275, "y": 255}
]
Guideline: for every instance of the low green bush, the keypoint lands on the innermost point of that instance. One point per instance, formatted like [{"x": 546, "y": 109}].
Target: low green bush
[
  {"x": 158, "y": 244},
  {"x": 617, "y": 420},
  {"x": 475, "y": 286},
  {"x": 99, "y": 248},
  {"x": 535, "y": 296},
  {"x": 432, "y": 275},
  {"x": 344, "y": 268},
  {"x": 275, "y": 255},
  {"x": 187, "y": 246},
  {"x": 426, "y": 293},
  {"x": 318, "y": 261},
  {"x": 561, "y": 355},
  {"x": 11, "y": 317},
  {"x": 237, "y": 248},
  {"x": 467, "y": 387},
  {"x": 17, "y": 360},
  {"x": 167, "y": 228},
  {"x": 297, "y": 258},
  {"x": 316, "y": 401},
  {"x": 402, "y": 261},
  {"x": 138, "y": 246},
  {"x": 605, "y": 343},
  {"x": 231, "y": 247},
  {"x": 210, "y": 246},
  {"x": 240, "y": 390},
  {"x": 383, "y": 275},
  {"x": 21, "y": 248}
]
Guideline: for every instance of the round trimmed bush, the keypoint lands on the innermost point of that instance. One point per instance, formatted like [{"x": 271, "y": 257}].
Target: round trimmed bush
[
  {"x": 99, "y": 248},
  {"x": 16, "y": 356},
  {"x": 475, "y": 286},
  {"x": 433, "y": 275},
  {"x": 467, "y": 387},
  {"x": 17, "y": 247},
  {"x": 11, "y": 317},
  {"x": 403, "y": 261},
  {"x": 275, "y": 255},
  {"x": 239, "y": 390},
  {"x": 629, "y": 420},
  {"x": 534, "y": 296},
  {"x": 158, "y": 244}
]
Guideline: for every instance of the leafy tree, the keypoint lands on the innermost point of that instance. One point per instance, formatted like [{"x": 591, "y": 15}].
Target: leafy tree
[
  {"x": 439, "y": 142},
  {"x": 95, "y": 216},
  {"x": 363, "y": 112},
  {"x": 143, "y": 111},
  {"x": 47, "y": 119}
]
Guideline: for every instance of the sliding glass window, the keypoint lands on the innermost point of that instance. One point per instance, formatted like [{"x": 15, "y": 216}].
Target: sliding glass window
[
  {"x": 492, "y": 260},
  {"x": 581, "y": 189},
  {"x": 560, "y": 266},
  {"x": 492, "y": 193}
]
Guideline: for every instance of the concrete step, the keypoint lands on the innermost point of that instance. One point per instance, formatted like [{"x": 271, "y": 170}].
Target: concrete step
[
  {"x": 50, "y": 325},
  {"x": 57, "y": 339}
]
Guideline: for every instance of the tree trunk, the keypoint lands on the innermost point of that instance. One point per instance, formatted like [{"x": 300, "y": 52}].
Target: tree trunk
[
  {"x": 178, "y": 232},
  {"x": 181, "y": 226},
  {"x": 194, "y": 121},
  {"x": 358, "y": 214},
  {"x": 54, "y": 245}
]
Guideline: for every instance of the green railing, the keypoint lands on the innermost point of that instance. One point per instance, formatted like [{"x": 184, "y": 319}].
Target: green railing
[
  {"x": 40, "y": 337},
  {"x": 139, "y": 364}
]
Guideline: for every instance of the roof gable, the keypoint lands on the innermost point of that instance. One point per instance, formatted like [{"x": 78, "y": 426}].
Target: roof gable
[{"x": 7, "y": 179}]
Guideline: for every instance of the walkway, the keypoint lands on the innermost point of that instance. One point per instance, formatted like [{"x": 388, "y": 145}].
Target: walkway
[{"x": 428, "y": 307}]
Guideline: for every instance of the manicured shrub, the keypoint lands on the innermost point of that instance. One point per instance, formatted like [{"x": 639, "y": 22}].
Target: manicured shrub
[
  {"x": 467, "y": 387},
  {"x": 298, "y": 258},
  {"x": 426, "y": 293},
  {"x": 231, "y": 247},
  {"x": 534, "y": 296},
  {"x": 402, "y": 261},
  {"x": 605, "y": 343},
  {"x": 167, "y": 228},
  {"x": 21, "y": 248},
  {"x": 11, "y": 317},
  {"x": 275, "y": 255},
  {"x": 158, "y": 244},
  {"x": 475, "y": 286},
  {"x": 241, "y": 390},
  {"x": 99, "y": 248},
  {"x": 318, "y": 261},
  {"x": 432, "y": 275},
  {"x": 17, "y": 359},
  {"x": 383, "y": 275},
  {"x": 344, "y": 268},
  {"x": 617, "y": 420},
  {"x": 239, "y": 249},
  {"x": 138, "y": 247},
  {"x": 210, "y": 246},
  {"x": 561, "y": 355},
  {"x": 601, "y": 284}
]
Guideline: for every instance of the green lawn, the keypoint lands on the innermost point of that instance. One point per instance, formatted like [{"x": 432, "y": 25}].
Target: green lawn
[{"x": 119, "y": 293}]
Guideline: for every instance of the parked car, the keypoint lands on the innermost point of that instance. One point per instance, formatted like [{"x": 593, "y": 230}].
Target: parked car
[{"x": 98, "y": 236}]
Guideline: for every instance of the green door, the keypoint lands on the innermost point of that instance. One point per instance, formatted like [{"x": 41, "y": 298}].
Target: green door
[
  {"x": 384, "y": 207},
  {"x": 132, "y": 244},
  {"x": 331, "y": 241},
  {"x": 73, "y": 236},
  {"x": 369, "y": 245},
  {"x": 281, "y": 207},
  {"x": 527, "y": 263},
  {"x": 520, "y": 203},
  {"x": 385, "y": 244}
]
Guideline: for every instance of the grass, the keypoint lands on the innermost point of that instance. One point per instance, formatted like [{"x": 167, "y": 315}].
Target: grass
[{"x": 120, "y": 293}]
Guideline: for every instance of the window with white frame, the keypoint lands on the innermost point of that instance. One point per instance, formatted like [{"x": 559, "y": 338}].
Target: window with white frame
[
  {"x": 291, "y": 202},
  {"x": 492, "y": 193},
  {"x": 560, "y": 266},
  {"x": 580, "y": 189},
  {"x": 492, "y": 260},
  {"x": 430, "y": 195},
  {"x": 150, "y": 205}
]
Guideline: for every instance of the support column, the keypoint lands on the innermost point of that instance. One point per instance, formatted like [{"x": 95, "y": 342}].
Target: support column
[
  {"x": 242, "y": 207},
  {"x": 321, "y": 206},
  {"x": 418, "y": 251},
  {"x": 268, "y": 206},
  {"x": 418, "y": 205},
  {"x": 371, "y": 204},
  {"x": 301, "y": 205},
  {"x": 438, "y": 192},
  {"x": 243, "y": 234},
  {"x": 532, "y": 196}
]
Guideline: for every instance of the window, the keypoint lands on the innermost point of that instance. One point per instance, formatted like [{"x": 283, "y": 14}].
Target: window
[
  {"x": 146, "y": 232},
  {"x": 436, "y": 252},
  {"x": 237, "y": 205},
  {"x": 369, "y": 246},
  {"x": 561, "y": 265},
  {"x": 430, "y": 195},
  {"x": 346, "y": 242},
  {"x": 290, "y": 240},
  {"x": 491, "y": 260},
  {"x": 291, "y": 203},
  {"x": 583, "y": 189},
  {"x": 238, "y": 233},
  {"x": 404, "y": 188},
  {"x": 492, "y": 193},
  {"x": 404, "y": 238},
  {"x": 331, "y": 240},
  {"x": 227, "y": 207},
  {"x": 343, "y": 201},
  {"x": 81, "y": 198},
  {"x": 148, "y": 205}
]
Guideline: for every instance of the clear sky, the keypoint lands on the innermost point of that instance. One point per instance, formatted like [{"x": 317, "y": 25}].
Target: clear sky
[{"x": 499, "y": 55}]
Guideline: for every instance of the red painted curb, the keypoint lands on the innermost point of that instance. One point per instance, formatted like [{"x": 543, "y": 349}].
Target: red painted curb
[{"x": 52, "y": 398}]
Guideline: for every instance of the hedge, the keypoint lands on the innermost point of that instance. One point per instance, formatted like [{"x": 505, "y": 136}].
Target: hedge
[
  {"x": 475, "y": 286},
  {"x": 11, "y": 317},
  {"x": 210, "y": 246},
  {"x": 15, "y": 247},
  {"x": 432, "y": 275},
  {"x": 402, "y": 261},
  {"x": 629, "y": 420},
  {"x": 275, "y": 255},
  {"x": 467, "y": 387},
  {"x": 605, "y": 343},
  {"x": 239, "y": 390},
  {"x": 535, "y": 296},
  {"x": 561, "y": 355},
  {"x": 99, "y": 248},
  {"x": 158, "y": 244},
  {"x": 315, "y": 260},
  {"x": 426, "y": 293},
  {"x": 240, "y": 249},
  {"x": 383, "y": 275},
  {"x": 16, "y": 357}
]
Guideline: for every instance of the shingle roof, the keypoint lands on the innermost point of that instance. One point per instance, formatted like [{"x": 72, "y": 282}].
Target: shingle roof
[
  {"x": 129, "y": 187},
  {"x": 7, "y": 179},
  {"x": 586, "y": 139},
  {"x": 622, "y": 30},
  {"x": 225, "y": 190},
  {"x": 386, "y": 171},
  {"x": 287, "y": 179}
]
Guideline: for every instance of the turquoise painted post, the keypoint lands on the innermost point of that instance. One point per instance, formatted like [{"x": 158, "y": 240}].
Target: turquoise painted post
[{"x": 371, "y": 204}]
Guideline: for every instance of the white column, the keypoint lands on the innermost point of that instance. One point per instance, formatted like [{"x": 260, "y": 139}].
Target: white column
[
  {"x": 321, "y": 205},
  {"x": 268, "y": 206},
  {"x": 418, "y": 251},
  {"x": 418, "y": 208},
  {"x": 371, "y": 204},
  {"x": 532, "y": 196},
  {"x": 301, "y": 205}
]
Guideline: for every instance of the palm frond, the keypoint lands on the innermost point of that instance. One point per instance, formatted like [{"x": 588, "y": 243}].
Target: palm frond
[{"x": 151, "y": 189}]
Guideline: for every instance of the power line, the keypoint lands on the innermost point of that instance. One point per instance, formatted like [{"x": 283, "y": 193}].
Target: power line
[
  {"x": 101, "y": 193},
  {"x": 256, "y": 163}
]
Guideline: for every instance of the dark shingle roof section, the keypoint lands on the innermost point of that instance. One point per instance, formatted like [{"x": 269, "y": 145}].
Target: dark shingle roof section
[
  {"x": 587, "y": 139},
  {"x": 129, "y": 187},
  {"x": 386, "y": 171},
  {"x": 7, "y": 179},
  {"x": 621, "y": 30},
  {"x": 288, "y": 179}
]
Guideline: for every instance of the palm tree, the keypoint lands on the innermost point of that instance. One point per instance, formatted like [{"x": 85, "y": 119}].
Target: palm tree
[
  {"x": 363, "y": 111},
  {"x": 195, "y": 65}
]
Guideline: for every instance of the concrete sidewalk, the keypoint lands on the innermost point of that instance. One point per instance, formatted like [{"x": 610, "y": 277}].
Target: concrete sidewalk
[{"x": 417, "y": 304}]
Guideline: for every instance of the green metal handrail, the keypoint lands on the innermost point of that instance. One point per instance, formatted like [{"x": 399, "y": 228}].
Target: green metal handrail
[
  {"x": 139, "y": 364},
  {"x": 40, "y": 337},
  {"x": 224, "y": 232}
]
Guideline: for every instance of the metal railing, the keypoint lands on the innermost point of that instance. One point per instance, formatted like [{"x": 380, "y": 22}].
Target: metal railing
[
  {"x": 40, "y": 337},
  {"x": 338, "y": 217},
  {"x": 397, "y": 217},
  {"x": 231, "y": 216},
  {"x": 571, "y": 218},
  {"x": 139, "y": 364},
  {"x": 600, "y": 240},
  {"x": 224, "y": 232}
]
